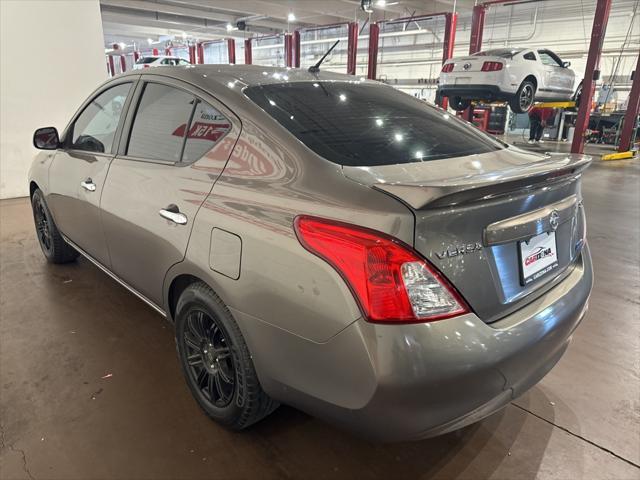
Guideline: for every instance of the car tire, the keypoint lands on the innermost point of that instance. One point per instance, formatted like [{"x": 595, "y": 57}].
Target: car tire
[
  {"x": 54, "y": 247},
  {"x": 459, "y": 104},
  {"x": 524, "y": 98},
  {"x": 216, "y": 361}
]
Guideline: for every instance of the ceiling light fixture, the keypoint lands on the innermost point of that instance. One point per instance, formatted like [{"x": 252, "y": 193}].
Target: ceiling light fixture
[
  {"x": 291, "y": 17},
  {"x": 381, "y": 3},
  {"x": 365, "y": 5},
  {"x": 149, "y": 41}
]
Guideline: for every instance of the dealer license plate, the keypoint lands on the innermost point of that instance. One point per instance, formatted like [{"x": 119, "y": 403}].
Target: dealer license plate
[{"x": 538, "y": 256}]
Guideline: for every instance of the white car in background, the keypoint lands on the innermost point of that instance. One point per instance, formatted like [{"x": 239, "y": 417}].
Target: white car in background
[
  {"x": 159, "y": 61},
  {"x": 520, "y": 76}
]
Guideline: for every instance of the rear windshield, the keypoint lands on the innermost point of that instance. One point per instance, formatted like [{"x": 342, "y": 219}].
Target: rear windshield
[
  {"x": 146, "y": 60},
  {"x": 356, "y": 124},
  {"x": 499, "y": 52}
]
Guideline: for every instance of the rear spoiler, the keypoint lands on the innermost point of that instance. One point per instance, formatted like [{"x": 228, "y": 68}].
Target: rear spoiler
[{"x": 456, "y": 191}]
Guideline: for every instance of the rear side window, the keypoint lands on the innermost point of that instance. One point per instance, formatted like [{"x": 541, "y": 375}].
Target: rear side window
[
  {"x": 95, "y": 128},
  {"x": 207, "y": 128},
  {"x": 159, "y": 127},
  {"x": 529, "y": 56},
  {"x": 356, "y": 124}
]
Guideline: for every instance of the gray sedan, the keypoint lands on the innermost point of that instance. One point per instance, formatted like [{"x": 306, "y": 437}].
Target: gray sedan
[{"x": 322, "y": 241}]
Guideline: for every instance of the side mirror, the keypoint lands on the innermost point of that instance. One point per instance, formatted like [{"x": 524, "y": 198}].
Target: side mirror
[
  {"x": 566, "y": 64},
  {"x": 46, "y": 138}
]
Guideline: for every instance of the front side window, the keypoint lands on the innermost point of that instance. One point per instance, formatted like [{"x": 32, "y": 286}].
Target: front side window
[
  {"x": 95, "y": 128},
  {"x": 158, "y": 130},
  {"x": 355, "y": 124}
]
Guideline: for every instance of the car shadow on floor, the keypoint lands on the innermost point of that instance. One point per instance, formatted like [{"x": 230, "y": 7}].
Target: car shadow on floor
[{"x": 492, "y": 448}]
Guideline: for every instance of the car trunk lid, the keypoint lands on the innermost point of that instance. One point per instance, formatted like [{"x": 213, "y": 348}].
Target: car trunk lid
[
  {"x": 472, "y": 214},
  {"x": 474, "y": 63}
]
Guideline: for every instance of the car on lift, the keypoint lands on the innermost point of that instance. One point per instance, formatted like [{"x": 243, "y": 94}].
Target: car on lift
[
  {"x": 520, "y": 76},
  {"x": 328, "y": 243},
  {"x": 159, "y": 61}
]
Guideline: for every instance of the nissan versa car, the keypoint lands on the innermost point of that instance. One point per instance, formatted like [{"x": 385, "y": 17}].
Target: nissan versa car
[
  {"x": 520, "y": 76},
  {"x": 322, "y": 241}
]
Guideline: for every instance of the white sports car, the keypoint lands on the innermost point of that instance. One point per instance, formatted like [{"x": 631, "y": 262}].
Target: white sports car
[
  {"x": 159, "y": 61},
  {"x": 517, "y": 75}
]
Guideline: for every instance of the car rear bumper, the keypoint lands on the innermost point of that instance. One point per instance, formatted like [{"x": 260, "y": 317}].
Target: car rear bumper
[
  {"x": 401, "y": 382},
  {"x": 479, "y": 91}
]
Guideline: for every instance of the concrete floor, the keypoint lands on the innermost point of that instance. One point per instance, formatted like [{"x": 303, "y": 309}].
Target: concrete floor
[{"x": 90, "y": 386}]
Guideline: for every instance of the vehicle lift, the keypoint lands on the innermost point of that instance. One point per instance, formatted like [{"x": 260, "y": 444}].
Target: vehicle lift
[{"x": 448, "y": 43}]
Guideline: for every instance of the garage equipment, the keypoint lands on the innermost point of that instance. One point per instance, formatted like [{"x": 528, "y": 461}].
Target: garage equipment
[{"x": 448, "y": 42}]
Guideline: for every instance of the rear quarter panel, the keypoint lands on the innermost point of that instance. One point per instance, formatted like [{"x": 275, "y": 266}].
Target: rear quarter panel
[{"x": 269, "y": 180}]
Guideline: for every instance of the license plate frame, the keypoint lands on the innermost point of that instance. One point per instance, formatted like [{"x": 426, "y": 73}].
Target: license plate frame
[{"x": 537, "y": 257}]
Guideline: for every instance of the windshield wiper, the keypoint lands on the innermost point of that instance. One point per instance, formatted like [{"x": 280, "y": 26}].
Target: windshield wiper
[{"x": 316, "y": 68}]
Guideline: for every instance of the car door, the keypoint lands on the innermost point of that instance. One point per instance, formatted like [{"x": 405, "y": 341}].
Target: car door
[
  {"x": 558, "y": 80},
  {"x": 79, "y": 168},
  {"x": 175, "y": 144}
]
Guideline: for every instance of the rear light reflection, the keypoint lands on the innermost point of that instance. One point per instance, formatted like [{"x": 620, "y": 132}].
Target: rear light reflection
[{"x": 390, "y": 281}]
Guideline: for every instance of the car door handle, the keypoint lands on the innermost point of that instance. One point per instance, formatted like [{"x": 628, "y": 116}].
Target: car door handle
[
  {"x": 172, "y": 213},
  {"x": 88, "y": 185}
]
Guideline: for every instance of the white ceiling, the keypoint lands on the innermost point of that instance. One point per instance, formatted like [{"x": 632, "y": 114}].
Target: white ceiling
[{"x": 135, "y": 21}]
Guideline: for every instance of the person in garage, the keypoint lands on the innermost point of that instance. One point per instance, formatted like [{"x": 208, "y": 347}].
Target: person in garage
[{"x": 539, "y": 118}]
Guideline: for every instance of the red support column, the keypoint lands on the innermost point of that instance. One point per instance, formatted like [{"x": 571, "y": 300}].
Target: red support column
[
  {"x": 192, "y": 54},
  {"x": 231, "y": 49},
  {"x": 248, "y": 58},
  {"x": 296, "y": 49},
  {"x": 112, "y": 67},
  {"x": 374, "y": 34},
  {"x": 288, "y": 46},
  {"x": 450, "y": 22},
  {"x": 588, "y": 84},
  {"x": 632, "y": 112},
  {"x": 167, "y": 51},
  {"x": 352, "y": 48},
  {"x": 123, "y": 64},
  {"x": 477, "y": 27},
  {"x": 200, "y": 50},
  {"x": 155, "y": 52},
  {"x": 136, "y": 56}
]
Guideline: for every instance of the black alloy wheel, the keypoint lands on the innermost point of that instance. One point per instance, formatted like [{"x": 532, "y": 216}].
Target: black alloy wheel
[
  {"x": 209, "y": 359},
  {"x": 43, "y": 228}
]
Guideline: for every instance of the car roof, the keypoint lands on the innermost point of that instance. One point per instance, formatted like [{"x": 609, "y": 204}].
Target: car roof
[{"x": 212, "y": 75}]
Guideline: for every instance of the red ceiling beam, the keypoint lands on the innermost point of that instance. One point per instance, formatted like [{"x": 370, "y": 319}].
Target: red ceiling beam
[
  {"x": 288, "y": 50},
  {"x": 477, "y": 28},
  {"x": 352, "y": 48},
  {"x": 248, "y": 57},
  {"x": 231, "y": 50},
  {"x": 296, "y": 49},
  {"x": 200, "y": 50},
  {"x": 598, "y": 32},
  {"x": 374, "y": 34},
  {"x": 112, "y": 67},
  {"x": 633, "y": 107}
]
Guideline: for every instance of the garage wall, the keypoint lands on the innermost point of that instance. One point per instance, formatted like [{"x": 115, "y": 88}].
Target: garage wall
[{"x": 51, "y": 58}]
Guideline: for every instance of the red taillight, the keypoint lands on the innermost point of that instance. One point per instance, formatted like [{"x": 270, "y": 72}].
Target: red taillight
[
  {"x": 390, "y": 281},
  {"x": 492, "y": 66},
  {"x": 447, "y": 67}
]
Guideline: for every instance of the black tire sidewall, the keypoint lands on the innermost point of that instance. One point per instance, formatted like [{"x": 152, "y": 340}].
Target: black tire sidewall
[
  {"x": 196, "y": 299},
  {"x": 459, "y": 104},
  {"x": 38, "y": 197}
]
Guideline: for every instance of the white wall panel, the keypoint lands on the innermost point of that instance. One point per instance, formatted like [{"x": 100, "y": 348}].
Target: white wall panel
[{"x": 51, "y": 58}]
